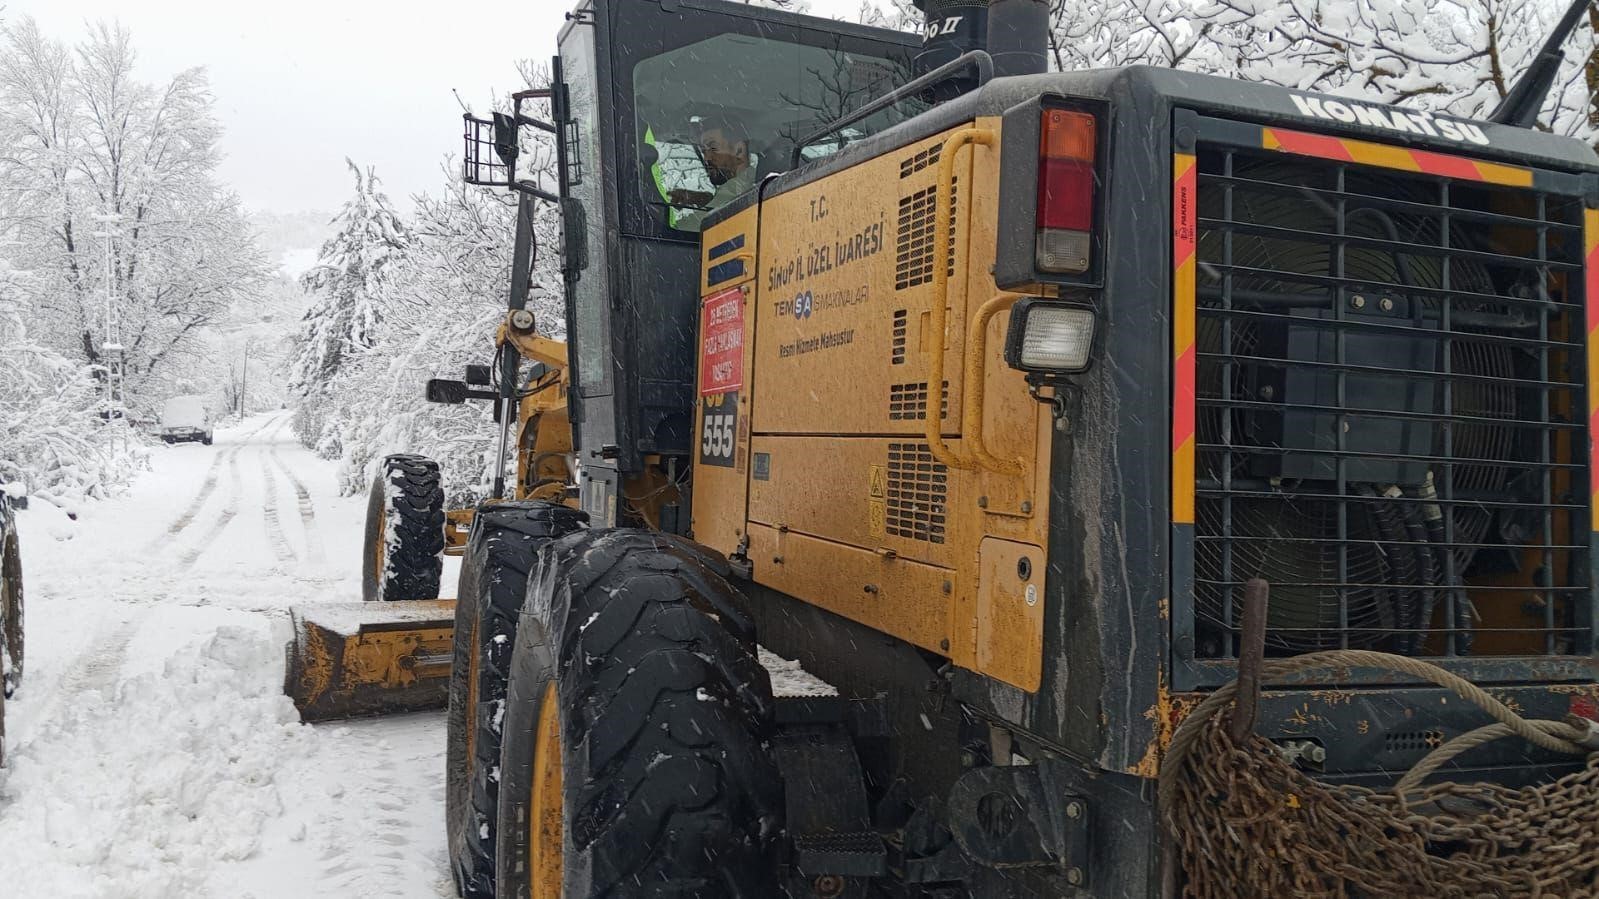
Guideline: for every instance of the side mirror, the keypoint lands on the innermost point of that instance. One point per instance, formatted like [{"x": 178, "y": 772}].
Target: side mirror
[
  {"x": 575, "y": 231},
  {"x": 480, "y": 375},
  {"x": 505, "y": 143},
  {"x": 443, "y": 390}
]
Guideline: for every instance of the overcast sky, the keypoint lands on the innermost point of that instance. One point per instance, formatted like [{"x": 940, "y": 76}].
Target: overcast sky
[{"x": 301, "y": 84}]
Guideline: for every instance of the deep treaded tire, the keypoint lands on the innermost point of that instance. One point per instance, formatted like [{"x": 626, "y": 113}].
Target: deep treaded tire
[
  {"x": 665, "y": 714},
  {"x": 404, "y": 531},
  {"x": 11, "y": 617},
  {"x": 504, "y": 542},
  {"x": 10, "y": 626}
]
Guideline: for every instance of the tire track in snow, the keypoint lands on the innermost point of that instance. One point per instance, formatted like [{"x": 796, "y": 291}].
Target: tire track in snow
[
  {"x": 95, "y": 669},
  {"x": 313, "y": 547},
  {"x": 276, "y": 536},
  {"x": 228, "y": 513},
  {"x": 269, "y": 512},
  {"x": 381, "y": 837},
  {"x": 101, "y": 663},
  {"x": 206, "y": 488},
  {"x": 187, "y": 518}
]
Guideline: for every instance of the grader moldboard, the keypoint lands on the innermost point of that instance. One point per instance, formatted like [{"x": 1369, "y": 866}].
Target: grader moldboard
[{"x": 1185, "y": 486}]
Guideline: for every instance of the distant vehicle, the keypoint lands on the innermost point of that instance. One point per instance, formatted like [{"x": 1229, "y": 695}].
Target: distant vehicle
[
  {"x": 10, "y": 607},
  {"x": 186, "y": 418}
]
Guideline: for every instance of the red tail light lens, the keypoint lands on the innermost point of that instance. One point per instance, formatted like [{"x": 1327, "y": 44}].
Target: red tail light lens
[{"x": 1065, "y": 213}]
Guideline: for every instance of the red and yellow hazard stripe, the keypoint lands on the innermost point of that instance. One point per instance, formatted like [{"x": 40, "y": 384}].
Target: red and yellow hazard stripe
[
  {"x": 1184, "y": 380},
  {"x": 1590, "y": 298},
  {"x": 1391, "y": 157}
]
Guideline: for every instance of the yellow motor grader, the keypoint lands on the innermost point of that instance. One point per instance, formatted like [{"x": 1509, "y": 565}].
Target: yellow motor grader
[{"x": 1173, "y": 485}]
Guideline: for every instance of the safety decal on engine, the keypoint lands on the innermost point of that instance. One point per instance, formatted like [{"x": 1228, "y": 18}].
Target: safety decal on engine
[
  {"x": 722, "y": 343},
  {"x": 719, "y": 429}
]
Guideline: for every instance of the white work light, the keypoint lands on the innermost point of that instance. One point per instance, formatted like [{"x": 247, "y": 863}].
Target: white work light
[{"x": 1049, "y": 338}]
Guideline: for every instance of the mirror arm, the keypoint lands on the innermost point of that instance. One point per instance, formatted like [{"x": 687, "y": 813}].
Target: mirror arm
[
  {"x": 536, "y": 123},
  {"x": 537, "y": 193}
]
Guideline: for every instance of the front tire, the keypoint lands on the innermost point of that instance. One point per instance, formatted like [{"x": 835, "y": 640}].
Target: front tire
[
  {"x": 404, "y": 549},
  {"x": 637, "y": 726},
  {"x": 504, "y": 542}
]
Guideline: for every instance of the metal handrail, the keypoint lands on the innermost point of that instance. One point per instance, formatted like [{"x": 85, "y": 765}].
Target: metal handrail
[
  {"x": 942, "y": 452},
  {"x": 975, "y": 58}
]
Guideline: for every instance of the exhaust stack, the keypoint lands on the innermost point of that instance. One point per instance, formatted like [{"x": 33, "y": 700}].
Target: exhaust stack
[
  {"x": 1014, "y": 32},
  {"x": 1018, "y": 37}
]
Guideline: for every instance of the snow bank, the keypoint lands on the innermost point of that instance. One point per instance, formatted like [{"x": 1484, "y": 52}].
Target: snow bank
[{"x": 154, "y": 779}]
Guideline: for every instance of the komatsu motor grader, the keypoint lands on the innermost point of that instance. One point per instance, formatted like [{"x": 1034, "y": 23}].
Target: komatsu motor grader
[{"x": 1181, "y": 486}]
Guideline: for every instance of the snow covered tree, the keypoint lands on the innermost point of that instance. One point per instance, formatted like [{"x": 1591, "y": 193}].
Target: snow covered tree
[
  {"x": 436, "y": 309},
  {"x": 113, "y": 230},
  {"x": 353, "y": 273},
  {"x": 351, "y": 285},
  {"x": 52, "y": 443},
  {"x": 98, "y": 162}
]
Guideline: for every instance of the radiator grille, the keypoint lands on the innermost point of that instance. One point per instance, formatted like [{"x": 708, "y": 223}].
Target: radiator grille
[
  {"x": 913, "y": 246},
  {"x": 909, "y": 401},
  {"x": 901, "y": 331},
  {"x": 1391, "y": 410},
  {"x": 917, "y": 493},
  {"x": 913, "y": 164}
]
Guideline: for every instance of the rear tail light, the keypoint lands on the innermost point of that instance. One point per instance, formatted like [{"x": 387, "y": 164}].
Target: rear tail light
[{"x": 1065, "y": 212}]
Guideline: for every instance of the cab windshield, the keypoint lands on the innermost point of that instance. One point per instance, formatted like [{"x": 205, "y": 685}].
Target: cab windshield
[{"x": 716, "y": 116}]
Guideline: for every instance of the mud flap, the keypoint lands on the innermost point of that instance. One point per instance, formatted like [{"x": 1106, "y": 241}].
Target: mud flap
[{"x": 369, "y": 658}]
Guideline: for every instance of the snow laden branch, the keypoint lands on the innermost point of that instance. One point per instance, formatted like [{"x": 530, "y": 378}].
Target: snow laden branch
[
  {"x": 121, "y": 244},
  {"x": 396, "y": 301},
  {"x": 1455, "y": 56}
]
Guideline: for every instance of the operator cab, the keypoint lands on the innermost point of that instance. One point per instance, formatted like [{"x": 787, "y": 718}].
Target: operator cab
[{"x": 642, "y": 85}]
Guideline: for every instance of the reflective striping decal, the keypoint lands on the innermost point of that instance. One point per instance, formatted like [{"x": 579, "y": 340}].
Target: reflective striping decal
[
  {"x": 1590, "y": 298},
  {"x": 1389, "y": 156},
  {"x": 1184, "y": 396}
]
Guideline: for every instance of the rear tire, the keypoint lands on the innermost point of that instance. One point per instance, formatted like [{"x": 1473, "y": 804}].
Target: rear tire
[
  {"x": 504, "y": 542},
  {"x": 11, "y": 619},
  {"x": 10, "y": 629},
  {"x": 667, "y": 785},
  {"x": 404, "y": 549}
]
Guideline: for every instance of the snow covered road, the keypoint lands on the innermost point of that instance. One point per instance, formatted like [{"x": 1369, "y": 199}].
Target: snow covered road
[{"x": 151, "y": 751}]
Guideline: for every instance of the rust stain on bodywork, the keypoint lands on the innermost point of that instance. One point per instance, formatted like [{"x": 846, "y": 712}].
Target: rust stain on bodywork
[{"x": 1167, "y": 713}]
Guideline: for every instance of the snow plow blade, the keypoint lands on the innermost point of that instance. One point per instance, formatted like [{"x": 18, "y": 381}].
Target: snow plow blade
[{"x": 369, "y": 658}]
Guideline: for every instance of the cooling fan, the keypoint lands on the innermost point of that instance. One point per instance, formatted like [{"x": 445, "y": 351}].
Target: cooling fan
[{"x": 1283, "y": 308}]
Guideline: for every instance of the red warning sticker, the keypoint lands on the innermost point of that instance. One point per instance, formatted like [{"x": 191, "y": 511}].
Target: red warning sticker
[{"x": 722, "y": 342}]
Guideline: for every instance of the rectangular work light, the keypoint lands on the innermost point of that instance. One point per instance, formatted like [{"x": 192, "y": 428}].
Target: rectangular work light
[{"x": 1049, "y": 338}]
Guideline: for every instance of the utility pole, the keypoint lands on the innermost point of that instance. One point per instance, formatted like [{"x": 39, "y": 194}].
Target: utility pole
[
  {"x": 111, "y": 349},
  {"x": 244, "y": 381}
]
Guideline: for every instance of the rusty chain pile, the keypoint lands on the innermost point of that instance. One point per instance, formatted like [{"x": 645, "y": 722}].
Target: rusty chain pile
[{"x": 1246, "y": 822}]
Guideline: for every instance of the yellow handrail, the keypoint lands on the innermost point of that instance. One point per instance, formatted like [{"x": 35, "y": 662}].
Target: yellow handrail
[
  {"x": 942, "y": 205},
  {"x": 976, "y": 337},
  {"x": 972, "y": 384}
]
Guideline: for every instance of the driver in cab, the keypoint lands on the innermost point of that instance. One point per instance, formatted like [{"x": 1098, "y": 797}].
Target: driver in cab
[{"x": 725, "y": 149}]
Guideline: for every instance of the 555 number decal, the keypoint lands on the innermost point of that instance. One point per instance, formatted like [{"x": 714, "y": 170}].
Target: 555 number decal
[{"x": 719, "y": 429}]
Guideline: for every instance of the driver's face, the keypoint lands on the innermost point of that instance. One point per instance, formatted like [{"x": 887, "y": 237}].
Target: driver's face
[{"x": 723, "y": 157}]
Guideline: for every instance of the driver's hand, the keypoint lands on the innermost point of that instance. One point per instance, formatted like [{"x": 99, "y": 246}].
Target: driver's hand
[{"x": 685, "y": 197}]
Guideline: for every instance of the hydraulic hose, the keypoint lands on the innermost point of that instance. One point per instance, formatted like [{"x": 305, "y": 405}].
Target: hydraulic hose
[{"x": 1403, "y": 569}]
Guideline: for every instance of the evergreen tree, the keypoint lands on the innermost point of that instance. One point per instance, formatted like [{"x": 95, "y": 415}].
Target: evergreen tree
[{"x": 353, "y": 273}]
